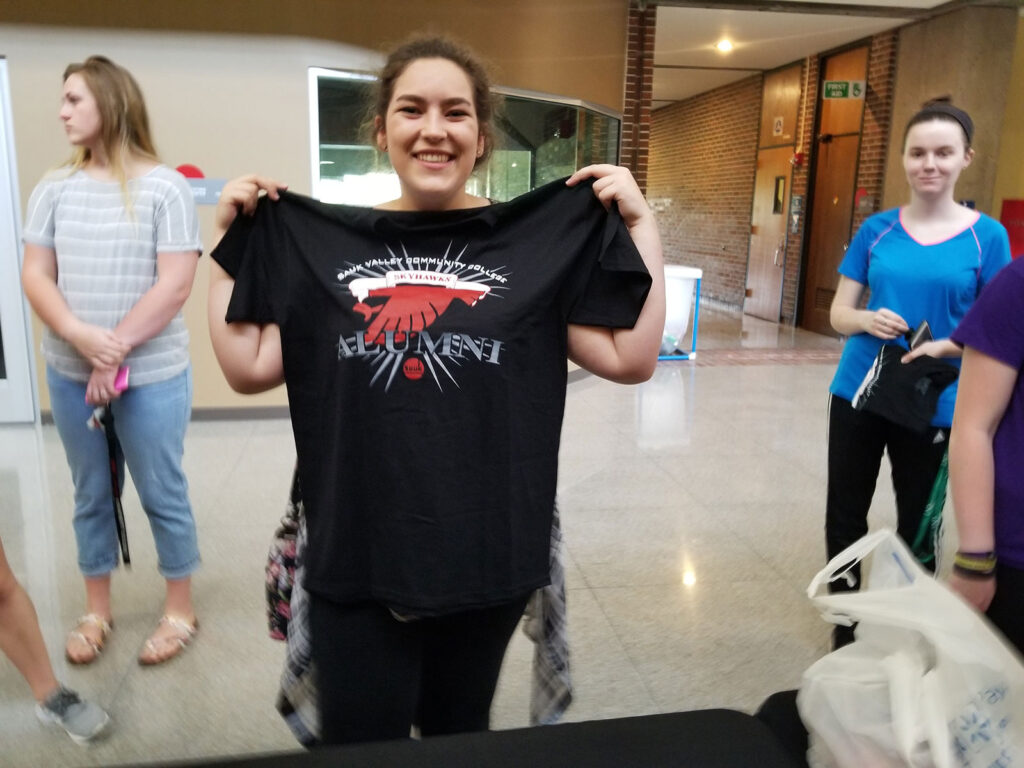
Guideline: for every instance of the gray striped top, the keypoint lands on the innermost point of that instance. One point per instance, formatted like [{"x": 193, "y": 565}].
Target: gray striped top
[{"x": 106, "y": 258}]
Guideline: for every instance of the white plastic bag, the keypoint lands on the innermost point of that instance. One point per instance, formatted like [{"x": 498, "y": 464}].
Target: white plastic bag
[{"x": 927, "y": 683}]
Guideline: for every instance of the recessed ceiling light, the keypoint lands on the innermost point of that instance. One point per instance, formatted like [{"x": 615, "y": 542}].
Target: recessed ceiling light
[{"x": 724, "y": 45}]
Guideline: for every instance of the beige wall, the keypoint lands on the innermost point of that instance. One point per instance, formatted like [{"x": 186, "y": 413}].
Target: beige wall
[
  {"x": 225, "y": 104},
  {"x": 574, "y": 48},
  {"x": 1010, "y": 168},
  {"x": 967, "y": 55},
  {"x": 233, "y": 103}
]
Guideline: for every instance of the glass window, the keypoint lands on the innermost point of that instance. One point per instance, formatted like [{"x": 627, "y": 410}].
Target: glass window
[{"x": 539, "y": 138}]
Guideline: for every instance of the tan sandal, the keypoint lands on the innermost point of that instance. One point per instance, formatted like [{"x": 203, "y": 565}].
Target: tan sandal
[
  {"x": 95, "y": 645},
  {"x": 157, "y": 650}
]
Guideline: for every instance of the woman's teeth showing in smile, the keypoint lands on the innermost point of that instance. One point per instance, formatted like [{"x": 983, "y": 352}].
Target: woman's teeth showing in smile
[{"x": 433, "y": 157}]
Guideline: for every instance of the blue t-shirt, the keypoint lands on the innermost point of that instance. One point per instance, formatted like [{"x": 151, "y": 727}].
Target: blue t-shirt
[
  {"x": 937, "y": 282},
  {"x": 994, "y": 327}
]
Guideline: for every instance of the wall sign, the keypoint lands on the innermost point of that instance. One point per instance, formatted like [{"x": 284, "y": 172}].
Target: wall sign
[
  {"x": 204, "y": 191},
  {"x": 843, "y": 89}
]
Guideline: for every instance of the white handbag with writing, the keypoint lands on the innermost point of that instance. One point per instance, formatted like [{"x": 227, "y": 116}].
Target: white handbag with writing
[{"x": 928, "y": 682}]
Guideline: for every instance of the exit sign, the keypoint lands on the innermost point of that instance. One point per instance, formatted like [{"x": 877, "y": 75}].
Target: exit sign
[{"x": 843, "y": 89}]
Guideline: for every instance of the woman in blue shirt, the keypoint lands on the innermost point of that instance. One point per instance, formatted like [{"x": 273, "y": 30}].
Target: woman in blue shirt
[{"x": 924, "y": 261}]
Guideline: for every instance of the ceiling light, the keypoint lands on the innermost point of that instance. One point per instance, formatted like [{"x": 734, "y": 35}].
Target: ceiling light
[{"x": 724, "y": 45}]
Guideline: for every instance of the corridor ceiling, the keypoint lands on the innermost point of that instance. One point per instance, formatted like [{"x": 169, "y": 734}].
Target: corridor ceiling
[{"x": 766, "y": 35}]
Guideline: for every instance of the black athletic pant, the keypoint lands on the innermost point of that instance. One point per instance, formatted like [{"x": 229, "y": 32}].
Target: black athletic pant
[
  {"x": 376, "y": 676},
  {"x": 1005, "y": 610},
  {"x": 856, "y": 442}
]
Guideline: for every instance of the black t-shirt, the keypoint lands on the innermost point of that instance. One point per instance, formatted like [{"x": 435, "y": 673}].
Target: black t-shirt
[{"x": 425, "y": 361}]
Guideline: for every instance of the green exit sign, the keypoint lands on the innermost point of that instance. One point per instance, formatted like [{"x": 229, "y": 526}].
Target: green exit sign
[{"x": 843, "y": 89}]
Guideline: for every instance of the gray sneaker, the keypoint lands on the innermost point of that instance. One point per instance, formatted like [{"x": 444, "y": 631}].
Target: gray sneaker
[{"x": 83, "y": 720}]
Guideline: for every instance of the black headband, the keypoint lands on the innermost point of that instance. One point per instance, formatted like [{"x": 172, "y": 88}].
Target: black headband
[{"x": 941, "y": 108}]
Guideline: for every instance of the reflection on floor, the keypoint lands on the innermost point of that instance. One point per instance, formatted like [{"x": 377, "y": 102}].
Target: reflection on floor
[{"x": 693, "y": 514}]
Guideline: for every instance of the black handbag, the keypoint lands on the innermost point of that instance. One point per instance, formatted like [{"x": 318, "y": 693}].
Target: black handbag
[{"x": 905, "y": 393}]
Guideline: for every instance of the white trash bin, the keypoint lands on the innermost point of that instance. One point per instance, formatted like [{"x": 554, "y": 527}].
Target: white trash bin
[{"x": 681, "y": 286}]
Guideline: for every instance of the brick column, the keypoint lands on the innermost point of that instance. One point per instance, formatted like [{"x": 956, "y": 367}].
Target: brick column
[
  {"x": 800, "y": 184},
  {"x": 875, "y": 128},
  {"x": 636, "y": 119}
]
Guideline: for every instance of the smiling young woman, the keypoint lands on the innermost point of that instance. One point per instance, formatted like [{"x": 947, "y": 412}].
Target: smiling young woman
[
  {"x": 934, "y": 156},
  {"x": 432, "y": 136},
  {"x": 924, "y": 261},
  {"x": 424, "y": 346}
]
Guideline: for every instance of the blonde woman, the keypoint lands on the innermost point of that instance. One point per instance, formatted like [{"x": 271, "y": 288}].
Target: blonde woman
[{"x": 111, "y": 246}]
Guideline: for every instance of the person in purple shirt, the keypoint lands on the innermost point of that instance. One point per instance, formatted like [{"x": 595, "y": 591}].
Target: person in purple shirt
[
  {"x": 924, "y": 261},
  {"x": 986, "y": 455}
]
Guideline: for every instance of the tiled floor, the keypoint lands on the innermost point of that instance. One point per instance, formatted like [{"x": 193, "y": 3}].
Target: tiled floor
[{"x": 693, "y": 514}]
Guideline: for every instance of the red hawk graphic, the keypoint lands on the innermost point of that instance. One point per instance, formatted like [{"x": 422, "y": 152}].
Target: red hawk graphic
[{"x": 412, "y": 300}]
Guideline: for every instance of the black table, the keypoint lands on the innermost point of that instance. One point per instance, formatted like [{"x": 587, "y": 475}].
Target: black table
[{"x": 712, "y": 738}]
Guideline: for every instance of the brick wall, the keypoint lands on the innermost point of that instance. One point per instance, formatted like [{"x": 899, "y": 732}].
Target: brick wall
[
  {"x": 799, "y": 186},
  {"x": 874, "y": 138},
  {"x": 701, "y": 183},
  {"x": 636, "y": 118},
  {"x": 874, "y": 150}
]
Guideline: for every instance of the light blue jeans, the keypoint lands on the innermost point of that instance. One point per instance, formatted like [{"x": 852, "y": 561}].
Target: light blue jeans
[{"x": 150, "y": 423}]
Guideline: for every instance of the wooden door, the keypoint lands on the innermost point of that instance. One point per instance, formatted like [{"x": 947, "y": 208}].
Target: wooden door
[
  {"x": 767, "y": 257},
  {"x": 780, "y": 104},
  {"x": 835, "y": 177}
]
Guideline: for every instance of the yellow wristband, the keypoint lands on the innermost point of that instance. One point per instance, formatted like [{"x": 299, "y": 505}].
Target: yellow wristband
[{"x": 982, "y": 563}]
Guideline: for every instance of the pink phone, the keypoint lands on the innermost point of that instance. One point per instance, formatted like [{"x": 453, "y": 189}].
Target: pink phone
[
  {"x": 121, "y": 380},
  {"x": 95, "y": 420}
]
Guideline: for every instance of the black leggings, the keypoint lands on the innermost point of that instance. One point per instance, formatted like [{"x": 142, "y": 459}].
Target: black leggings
[
  {"x": 1005, "y": 609},
  {"x": 377, "y": 676},
  {"x": 856, "y": 441}
]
